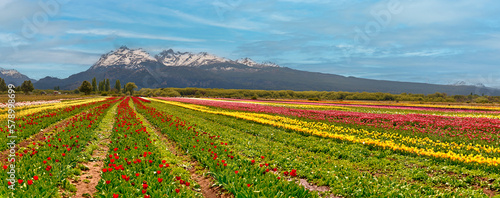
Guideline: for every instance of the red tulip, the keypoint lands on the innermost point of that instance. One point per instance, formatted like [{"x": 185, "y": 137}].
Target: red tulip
[
  {"x": 107, "y": 181},
  {"x": 35, "y": 177},
  {"x": 30, "y": 182},
  {"x": 160, "y": 180},
  {"x": 177, "y": 190}
]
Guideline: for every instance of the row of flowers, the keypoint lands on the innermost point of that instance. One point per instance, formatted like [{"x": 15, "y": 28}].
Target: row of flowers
[
  {"x": 480, "y": 130},
  {"x": 244, "y": 176},
  {"x": 374, "y": 108},
  {"x": 451, "y": 151},
  {"x": 40, "y": 167},
  {"x": 28, "y": 110},
  {"x": 33, "y": 123},
  {"x": 326, "y": 162},
  {"x": 137, "y": 164},
  {"x": 408, "y": 105}
]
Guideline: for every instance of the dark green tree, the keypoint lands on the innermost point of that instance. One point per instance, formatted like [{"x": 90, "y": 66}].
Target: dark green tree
[
  {"x": 27, "y": 86},
  {"x": 86, "y": 87},
  {"x": 118, "y": 85},
  {"x": 129, "y": 87},
  {"x": 3, "y": 86},
  {"x": 107, "y": 86},
  {"x": 101, "y": 86},
  {"x": 94, "y": 84}
]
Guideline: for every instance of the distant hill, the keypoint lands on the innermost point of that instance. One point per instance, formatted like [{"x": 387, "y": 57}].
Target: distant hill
[
  {"x": 12, "y": 76},
  {"x": 176, "y": 69}
]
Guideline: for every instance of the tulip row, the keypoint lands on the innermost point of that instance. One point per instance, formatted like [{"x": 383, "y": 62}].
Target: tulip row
[
  {"x": 137, "y": 165},
  {"x": 319, "y": 160},
  {"x": 240, "y": 175},
  {"x": 42, "y": 167},
  {"x": 380, "y": 109},
  {"x": 378, "y": 139},
  {"x": 28, "y": 110},
  {"x": 31, "y": 103},
  {"x": 477, "y": 130},
  {"x": 409, "y": 105},
  {"x": 30, "y": 124}
]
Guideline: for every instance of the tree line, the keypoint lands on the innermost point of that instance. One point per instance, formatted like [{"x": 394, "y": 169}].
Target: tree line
[
  {"x": 26, "y": 86},
  {"x": 104, "y": 87}
]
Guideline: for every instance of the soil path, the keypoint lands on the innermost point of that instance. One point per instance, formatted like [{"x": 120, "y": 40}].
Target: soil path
[{"x": 89, "y": 179}]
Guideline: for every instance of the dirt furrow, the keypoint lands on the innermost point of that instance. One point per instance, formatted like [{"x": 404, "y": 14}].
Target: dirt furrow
[{"x": 90, "y": 177}]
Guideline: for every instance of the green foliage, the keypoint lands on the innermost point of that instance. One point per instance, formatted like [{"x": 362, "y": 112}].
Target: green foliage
[
  {"x": 94, "y": 84},
  {"x": 107, "y": 87},
  {"x": 3, "y": 86},
  {"x": 86, "y": 87},
  {"x": 129, "y": 87},
  {"x": 118, "y": 86},
  {"x": 27, "y": 86}
]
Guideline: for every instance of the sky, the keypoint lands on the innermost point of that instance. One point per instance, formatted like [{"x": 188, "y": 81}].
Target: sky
[{"x": 429, "y": 41}]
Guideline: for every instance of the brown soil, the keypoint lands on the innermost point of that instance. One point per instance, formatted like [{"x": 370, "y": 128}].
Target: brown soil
[
  {"x": 93, "y": 175},
  {"x": 313, "y": 187}
]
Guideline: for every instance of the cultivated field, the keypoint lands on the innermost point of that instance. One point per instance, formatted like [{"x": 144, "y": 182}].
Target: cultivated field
[{"x": 193, "y": 147}]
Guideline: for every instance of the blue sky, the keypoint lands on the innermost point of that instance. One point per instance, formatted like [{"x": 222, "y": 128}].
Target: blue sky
[{"x": 430, "y": 41}]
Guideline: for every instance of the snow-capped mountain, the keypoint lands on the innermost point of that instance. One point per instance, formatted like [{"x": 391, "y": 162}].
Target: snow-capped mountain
[
  {"x": 171, "y": 58},
  {"x": 13, "y": 76},
  {"x": 249, "y": 62},
  {"x": 133, "y": 59},
  {"x": 185, "y": 69},
  {"x": 130, "y": 58},
  {"x": 463, "y": 83}
]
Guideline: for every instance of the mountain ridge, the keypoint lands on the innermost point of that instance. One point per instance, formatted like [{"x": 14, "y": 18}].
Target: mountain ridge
[
  {"x": 12, "y": 76},
  {"x": 185, "y": 69}
]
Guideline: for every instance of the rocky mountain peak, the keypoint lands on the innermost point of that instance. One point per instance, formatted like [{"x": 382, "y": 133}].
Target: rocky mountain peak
[{"x": 123, "y": 56}]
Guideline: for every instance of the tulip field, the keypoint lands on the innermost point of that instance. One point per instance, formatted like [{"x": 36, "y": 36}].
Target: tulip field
[{"x": 205, "y": 147}]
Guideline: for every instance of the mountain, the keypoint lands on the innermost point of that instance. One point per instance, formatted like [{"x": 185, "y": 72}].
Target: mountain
[
  {"x": 462, "y": 83},
  {"x": 171, "y": 58},
  {"x": 185, "y": 69},
  {"x": 125, "y": 57},
  {"x": 12, "y": 76}
]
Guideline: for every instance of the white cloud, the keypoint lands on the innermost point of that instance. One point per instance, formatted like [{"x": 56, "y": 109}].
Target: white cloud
[
  {"x": 121, "y": 33},
  {"x": 230, "y": 23},
  {"x": 10, "y": 39},
  {"x": 3, "y": 3}
]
